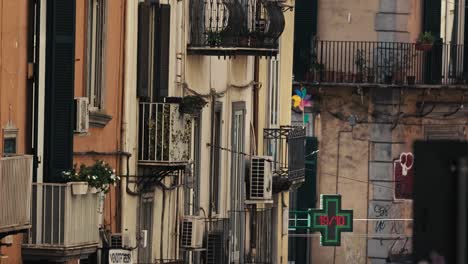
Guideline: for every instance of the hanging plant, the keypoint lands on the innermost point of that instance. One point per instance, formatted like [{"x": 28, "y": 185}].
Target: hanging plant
[{"x": 192, "y": 104}]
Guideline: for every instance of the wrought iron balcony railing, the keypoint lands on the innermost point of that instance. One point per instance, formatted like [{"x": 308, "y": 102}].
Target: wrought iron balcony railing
[
  {"x": 387, "y": 63},
  {"x": 164, "y": 135},
  {"x": 15, "y": 193},
  {"x": 287, "y": 146},
  {"x": 229, "y": 241},
  {"x": 235, "y": 27},
  {"x": 63, "y": 224}
]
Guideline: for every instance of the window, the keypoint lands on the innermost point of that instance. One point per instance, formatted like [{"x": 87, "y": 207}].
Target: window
[
  {"x": 237, "y": 222},
  {"x": 216, "y": 159},
  {"x": 153, "y": 51},
  {"x": 273, "y": 92},
  {"x": 10, "y": 134},
  {"x": 95, "y": 52}
]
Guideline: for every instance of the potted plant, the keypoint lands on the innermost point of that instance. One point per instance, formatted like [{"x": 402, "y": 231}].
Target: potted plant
[
  {"x": 214, "y": 39},
  {"x": 425, "y": 41},
  {"x": 370, "y": 75},
  {"x": 360, "y": 61},
  {"x": 78, "y": 184},
  {"x": 98, "y": 177},
  {"x": 411, "y": 79},
  {"x": 192, "y": 104}
]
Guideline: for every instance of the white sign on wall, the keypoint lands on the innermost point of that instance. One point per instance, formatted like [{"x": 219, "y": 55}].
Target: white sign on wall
[{"x": 120, "y": 256}]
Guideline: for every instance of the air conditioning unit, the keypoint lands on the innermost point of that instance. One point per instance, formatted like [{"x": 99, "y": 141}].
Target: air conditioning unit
[
  {"x": 193, "y": 228},
  {"x": 260, "y": 180},
  {"x": 81, "y": 115}
]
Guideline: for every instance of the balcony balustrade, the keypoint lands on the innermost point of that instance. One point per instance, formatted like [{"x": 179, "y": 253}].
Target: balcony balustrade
[
  {"x": 394, "y": 63},
  {"x": 164, "y": 135},
  {"x": 15, "y": 194},
  {"x": 64, "y": 225},
  {"x": 235, "y": 27},
  {"x": 287, "y": 147}
]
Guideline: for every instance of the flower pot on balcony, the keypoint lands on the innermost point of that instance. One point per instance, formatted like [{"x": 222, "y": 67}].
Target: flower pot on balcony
[
  {"x": 399, "y": 78},
  {"x": 388, "y": 79},
  {"x": 370, "y": 78},
  {"x": 424, "y": 46},
  {"x": 92, "y": 190},
  {"x": 359, "y": 78},
  {"x": 411, "y": 80},
  {"x": 79, "y": 188}
]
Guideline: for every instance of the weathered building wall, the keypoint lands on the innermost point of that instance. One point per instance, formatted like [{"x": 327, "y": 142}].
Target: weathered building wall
[
  {"x": 357, "y": 161},
  {"x": 13, "y": 90},
  {"x": 102, "y": 138}
]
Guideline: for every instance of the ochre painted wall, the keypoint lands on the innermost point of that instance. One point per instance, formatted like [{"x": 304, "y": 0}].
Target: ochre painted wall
[{"x": 13, "y": 88}]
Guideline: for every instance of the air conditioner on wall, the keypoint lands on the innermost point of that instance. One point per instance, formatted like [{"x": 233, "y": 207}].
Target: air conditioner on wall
[
  {"x": 260, "y": 179},
  {"x": 81, "y": 115},
  {"x": 192, "y": 232}
]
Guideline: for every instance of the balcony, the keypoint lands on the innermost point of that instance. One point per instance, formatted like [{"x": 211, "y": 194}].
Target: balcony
[
  {"x": 229, "y": 241},
  {"x": 287, "y": 147},
  {"x": 234, "y": 27},
  {"x": 164, "y": 135},
  {"x": 64, "y": 226},
  {"x": 15, "y": 194},
  {"x": 386, "y": 63}
]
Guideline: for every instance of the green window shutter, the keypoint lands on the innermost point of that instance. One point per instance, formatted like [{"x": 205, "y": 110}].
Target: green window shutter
[
  {"x": 307, "y": 193},
  {"x": 431, "y": 18},
  {"x": 143, "y": 48},
  {"x": 162, "y": 26},
  {"x": 60, "y": 69},
  {"x": 305, "y": 29}
]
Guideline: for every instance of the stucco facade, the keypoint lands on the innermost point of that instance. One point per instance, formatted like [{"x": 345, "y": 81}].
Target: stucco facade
[
  {"x": 357, "y": 161},
  {"x": 14, "y": 118}
]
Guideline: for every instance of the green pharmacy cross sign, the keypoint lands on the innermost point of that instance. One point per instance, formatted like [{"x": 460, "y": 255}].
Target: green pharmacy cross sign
[{"x": 330, "y": 220}]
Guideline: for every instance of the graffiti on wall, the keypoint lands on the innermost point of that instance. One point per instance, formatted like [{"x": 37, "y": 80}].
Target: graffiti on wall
[{"x": 403, "y": 172}]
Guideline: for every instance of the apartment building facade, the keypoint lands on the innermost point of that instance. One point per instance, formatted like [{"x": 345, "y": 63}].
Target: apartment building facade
[
  {"x": 168, "y": 95},
  {"x": 193, "y": 122},
  {"x": 374, "y": 92}
]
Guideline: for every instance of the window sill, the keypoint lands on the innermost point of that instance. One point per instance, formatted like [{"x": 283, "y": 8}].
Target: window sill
[{"x": 98, "y": 119}]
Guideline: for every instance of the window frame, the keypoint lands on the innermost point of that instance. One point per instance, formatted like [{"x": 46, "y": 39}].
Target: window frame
[{"x": 96, "y": 53}]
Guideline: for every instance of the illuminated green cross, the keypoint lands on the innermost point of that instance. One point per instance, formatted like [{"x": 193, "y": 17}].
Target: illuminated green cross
[{"x": 330, "y": 220}]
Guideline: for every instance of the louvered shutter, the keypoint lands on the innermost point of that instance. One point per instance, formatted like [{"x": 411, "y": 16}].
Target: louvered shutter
[
  {"x": 162, "y": 26},
  {"x": 432, "y": 16},
  {"x": 143, "y": 48},
  {"x": 305, "y": 28},
  {"x": 58, "y": 152}
]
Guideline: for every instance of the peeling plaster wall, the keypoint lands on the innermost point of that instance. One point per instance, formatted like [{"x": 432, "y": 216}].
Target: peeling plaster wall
[{"x": 361, "y": 168}]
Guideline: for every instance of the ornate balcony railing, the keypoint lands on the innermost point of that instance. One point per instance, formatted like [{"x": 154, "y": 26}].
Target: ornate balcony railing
[
  {"x": 287, "y": 146},
  {"x": 15, "y": 193},
  {"x": 164, "y": 135},
  {"x": 244, "y": 237},
  {"x": 63, "y": 224},
  {"x": 235, "y": 27},
  {"x": 387, "y": 63}
]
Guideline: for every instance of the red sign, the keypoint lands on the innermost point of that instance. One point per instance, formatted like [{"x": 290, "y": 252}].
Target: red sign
[{"x": 403, "y": 174}]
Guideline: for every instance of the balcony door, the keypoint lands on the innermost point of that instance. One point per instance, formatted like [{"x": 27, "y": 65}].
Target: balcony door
[
  {"x": 237, "y": 222},
  {"x": 153, "y": 51}
]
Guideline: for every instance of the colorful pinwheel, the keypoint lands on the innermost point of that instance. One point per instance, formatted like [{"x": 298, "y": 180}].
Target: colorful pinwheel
[{"x": 301, "y": 99}]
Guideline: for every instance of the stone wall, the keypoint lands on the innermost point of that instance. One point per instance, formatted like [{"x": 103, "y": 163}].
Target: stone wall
[{"x": 363, "y": 133}]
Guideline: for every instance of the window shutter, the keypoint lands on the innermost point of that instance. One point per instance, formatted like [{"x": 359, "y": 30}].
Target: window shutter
[
  {"x": 305, "y": 28},
  {"x": 162, "y": 25},
  {"x": 60, "y": 63},
  {"x": 143, "y": 48},
  {"x": 431, "y": 17}
]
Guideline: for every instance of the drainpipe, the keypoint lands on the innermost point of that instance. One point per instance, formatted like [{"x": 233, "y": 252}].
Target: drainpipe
[
  {"x": 212, "y": 157},
  {"x": 35, "y": 108},
  {"x": 255, "y": 100}
]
